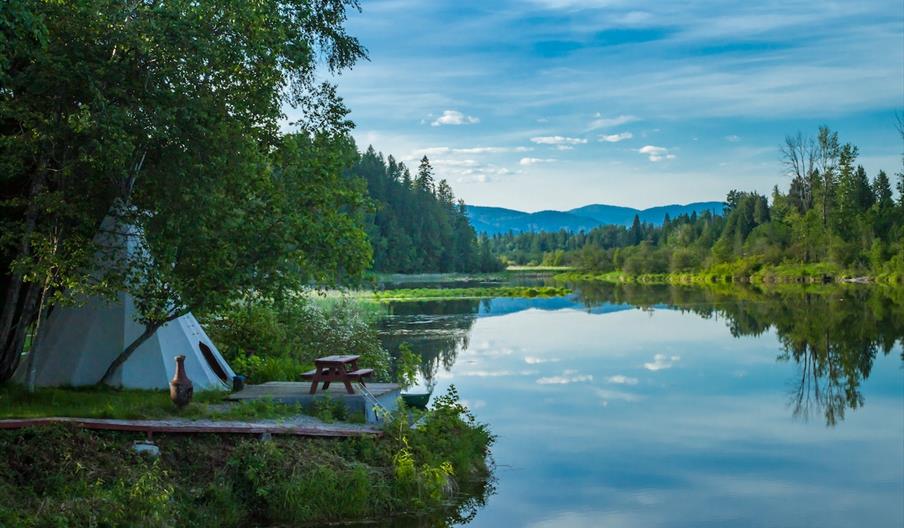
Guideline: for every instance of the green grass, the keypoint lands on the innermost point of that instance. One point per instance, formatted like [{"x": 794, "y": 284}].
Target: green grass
[
  {"x": 523, "y": 269},
  {"x": 787, "y": 273},
  {"x": 101, "y": 402},
  {"x": 65, "y": 476},
  {"x": 611, "y": 276},
  {"x": 389, "y": 278},
  {"x": 364, "y": 304},
  {"x": 419, "y": 294}
]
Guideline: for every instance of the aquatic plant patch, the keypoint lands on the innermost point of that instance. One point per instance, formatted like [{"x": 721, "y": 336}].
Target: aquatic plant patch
[{"x": 418, "y": 294}]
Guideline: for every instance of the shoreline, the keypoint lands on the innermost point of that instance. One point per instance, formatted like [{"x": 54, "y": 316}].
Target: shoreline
[{"x": 766, "y": 277}]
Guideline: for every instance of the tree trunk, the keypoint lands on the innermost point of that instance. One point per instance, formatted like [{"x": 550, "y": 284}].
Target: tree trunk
[
  {"x": 133, "y": 346},
  {"x": 31, "y": 371},
  {"x": 16, "y": 312},
  {"x": 125, "y": 354},
  {"x": 23, "y": 311}
]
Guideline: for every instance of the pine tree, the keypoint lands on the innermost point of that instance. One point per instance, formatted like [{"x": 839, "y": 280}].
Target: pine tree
[
  {"x": 882, "y": 191},
  {"x": 413, "y": 227},
  {"x": 636, "y": 233},
  {"x": 862, "y": 189},
  {"x": 424, "y": 180}
]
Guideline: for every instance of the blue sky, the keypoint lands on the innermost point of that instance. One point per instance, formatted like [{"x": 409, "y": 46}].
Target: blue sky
[{"x": 553, "y": 104}]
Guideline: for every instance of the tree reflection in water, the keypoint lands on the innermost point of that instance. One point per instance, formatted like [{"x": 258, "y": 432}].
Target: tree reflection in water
[
  {"x": 831, "y": 333},
  {"x": 435, "y": 330}
]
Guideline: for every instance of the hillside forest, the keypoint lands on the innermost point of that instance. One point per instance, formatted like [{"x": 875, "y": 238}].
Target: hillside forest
[
  {"x": 416, "y": 224},
  {"x": 832, "y": 215}
]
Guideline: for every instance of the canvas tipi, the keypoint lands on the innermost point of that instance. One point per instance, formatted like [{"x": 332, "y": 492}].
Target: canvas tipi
[{"x": 78, "y": 343}]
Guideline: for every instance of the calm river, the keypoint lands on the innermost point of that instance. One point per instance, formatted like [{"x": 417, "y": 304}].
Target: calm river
[{"x": 661, "y": 406}]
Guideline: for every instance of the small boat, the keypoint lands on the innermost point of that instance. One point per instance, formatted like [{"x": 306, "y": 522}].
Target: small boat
[{"x": 417, "y": 399}]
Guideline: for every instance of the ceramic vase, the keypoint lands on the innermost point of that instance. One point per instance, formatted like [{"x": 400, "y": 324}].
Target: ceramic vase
[{"x": 181, "y": 389}]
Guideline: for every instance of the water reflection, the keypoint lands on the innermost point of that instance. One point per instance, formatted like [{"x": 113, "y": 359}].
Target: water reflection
[
  {"x": 435, "y": 330},
  {"x": 831, "y": 334},
  {"x": 664, "y": 406},
  {"x": 463, "y": 508}
]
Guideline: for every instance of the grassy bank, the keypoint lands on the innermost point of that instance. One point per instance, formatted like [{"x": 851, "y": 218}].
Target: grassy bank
[
  {"x": 538, "y": 269},
  {"x": 420, "y": 294},
  {"x": 104, "y": 402},
  {"x": 818, "y": 273},
  {"x": 390, "y": 278},
  {"x": 64, "y": 476}
]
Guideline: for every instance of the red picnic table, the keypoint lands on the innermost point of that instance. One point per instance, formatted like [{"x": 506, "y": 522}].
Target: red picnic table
[{"x": 336, "y": 368}]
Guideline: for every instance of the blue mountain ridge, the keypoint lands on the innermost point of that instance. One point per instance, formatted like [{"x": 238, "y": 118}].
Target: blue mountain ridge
[{"x": 493, "y": 220}]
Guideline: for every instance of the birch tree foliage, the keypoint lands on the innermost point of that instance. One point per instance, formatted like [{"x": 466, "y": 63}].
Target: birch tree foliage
[{"x": 174, "y": 108}]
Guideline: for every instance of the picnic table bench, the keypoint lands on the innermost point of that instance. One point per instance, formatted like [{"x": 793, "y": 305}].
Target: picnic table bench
[{"x": 336, "y": 368}]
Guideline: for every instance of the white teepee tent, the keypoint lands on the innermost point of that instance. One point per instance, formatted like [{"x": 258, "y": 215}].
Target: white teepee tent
[{"x": 78, "y": 343}]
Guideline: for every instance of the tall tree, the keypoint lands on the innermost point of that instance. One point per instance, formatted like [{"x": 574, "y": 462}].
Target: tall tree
[
  {"x": 799, "y": 155},
  {"x": 414, "y": 229},
  {"x": 106, "y": 100},
  {"x": 882, "y": 191}
]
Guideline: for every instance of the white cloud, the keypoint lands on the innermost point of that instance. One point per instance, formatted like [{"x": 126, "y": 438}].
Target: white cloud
[
  {"x": 661, "y": 362},
  {"x": 607, "y": 395},
  {"x": 622, "y": 380},
  {"x": 605, "y": 122},
  {"x": 732, "y": 138},
  {"x": 442, "y": 162},
  {"x": 564, "y": 147},
  {"x": 454, "y": 117},
  {"x": 486, "y": 349},
  {"x": 490, "y": 150},
  {"x": 558, "y": 140},
  {"x": 473, "y": 178},
  {"x": 434, "y": 151},
  {"x": 431, "y": 151},
  {"x": 534, "y": 161},
  {"x": 633, "y": 18},
  {"x": 478, "y": 404},
  {"x": 615, "y": 138},
  {"x": 655, "y": 153},
  {"x": 531, "y": 360},
  {"x": 569, "y": 376}
]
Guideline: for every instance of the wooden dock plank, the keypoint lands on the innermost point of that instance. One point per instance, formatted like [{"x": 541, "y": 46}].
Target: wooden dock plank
[
  {"x": 299, "y": 391},
  {"x": 197, "y": 427}
]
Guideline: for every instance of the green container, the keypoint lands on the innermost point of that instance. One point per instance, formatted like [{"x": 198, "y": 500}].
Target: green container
[{"x": 416, "y": 400}]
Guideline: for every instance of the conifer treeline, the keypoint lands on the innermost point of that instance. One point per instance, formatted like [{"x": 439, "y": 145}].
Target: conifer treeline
[
  {"x": 418, "y": 226},
  {"x": 832, "y": 213}
]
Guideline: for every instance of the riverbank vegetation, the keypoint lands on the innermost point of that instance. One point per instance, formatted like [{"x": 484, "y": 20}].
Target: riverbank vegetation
[
  {"x": 278, "y": 339},
  {"x": 417, "y": 225},
  {"x": 832, "y": 222},
  {"x": 93, "y": 478},
  {"x": 419, "y": 294}
]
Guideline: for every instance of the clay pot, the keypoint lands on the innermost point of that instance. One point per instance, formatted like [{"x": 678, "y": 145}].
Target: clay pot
[{"x": 181, "y": 389}]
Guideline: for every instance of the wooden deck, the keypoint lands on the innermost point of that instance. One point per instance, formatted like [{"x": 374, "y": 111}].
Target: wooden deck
[
  {"x": 298, "y": 392},
  {"x": 200, "y": 426},
  {"x": 385, "y": 395}
]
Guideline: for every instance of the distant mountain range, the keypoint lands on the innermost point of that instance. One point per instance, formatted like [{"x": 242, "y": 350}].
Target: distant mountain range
[{"x": 492, "y": 220}]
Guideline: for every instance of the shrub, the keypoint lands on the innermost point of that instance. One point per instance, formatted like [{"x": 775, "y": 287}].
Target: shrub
[
  {"x": 287, "y": 336},
  {"x": 407, "y": 365},
  {"x": 260, "y": 368}
]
